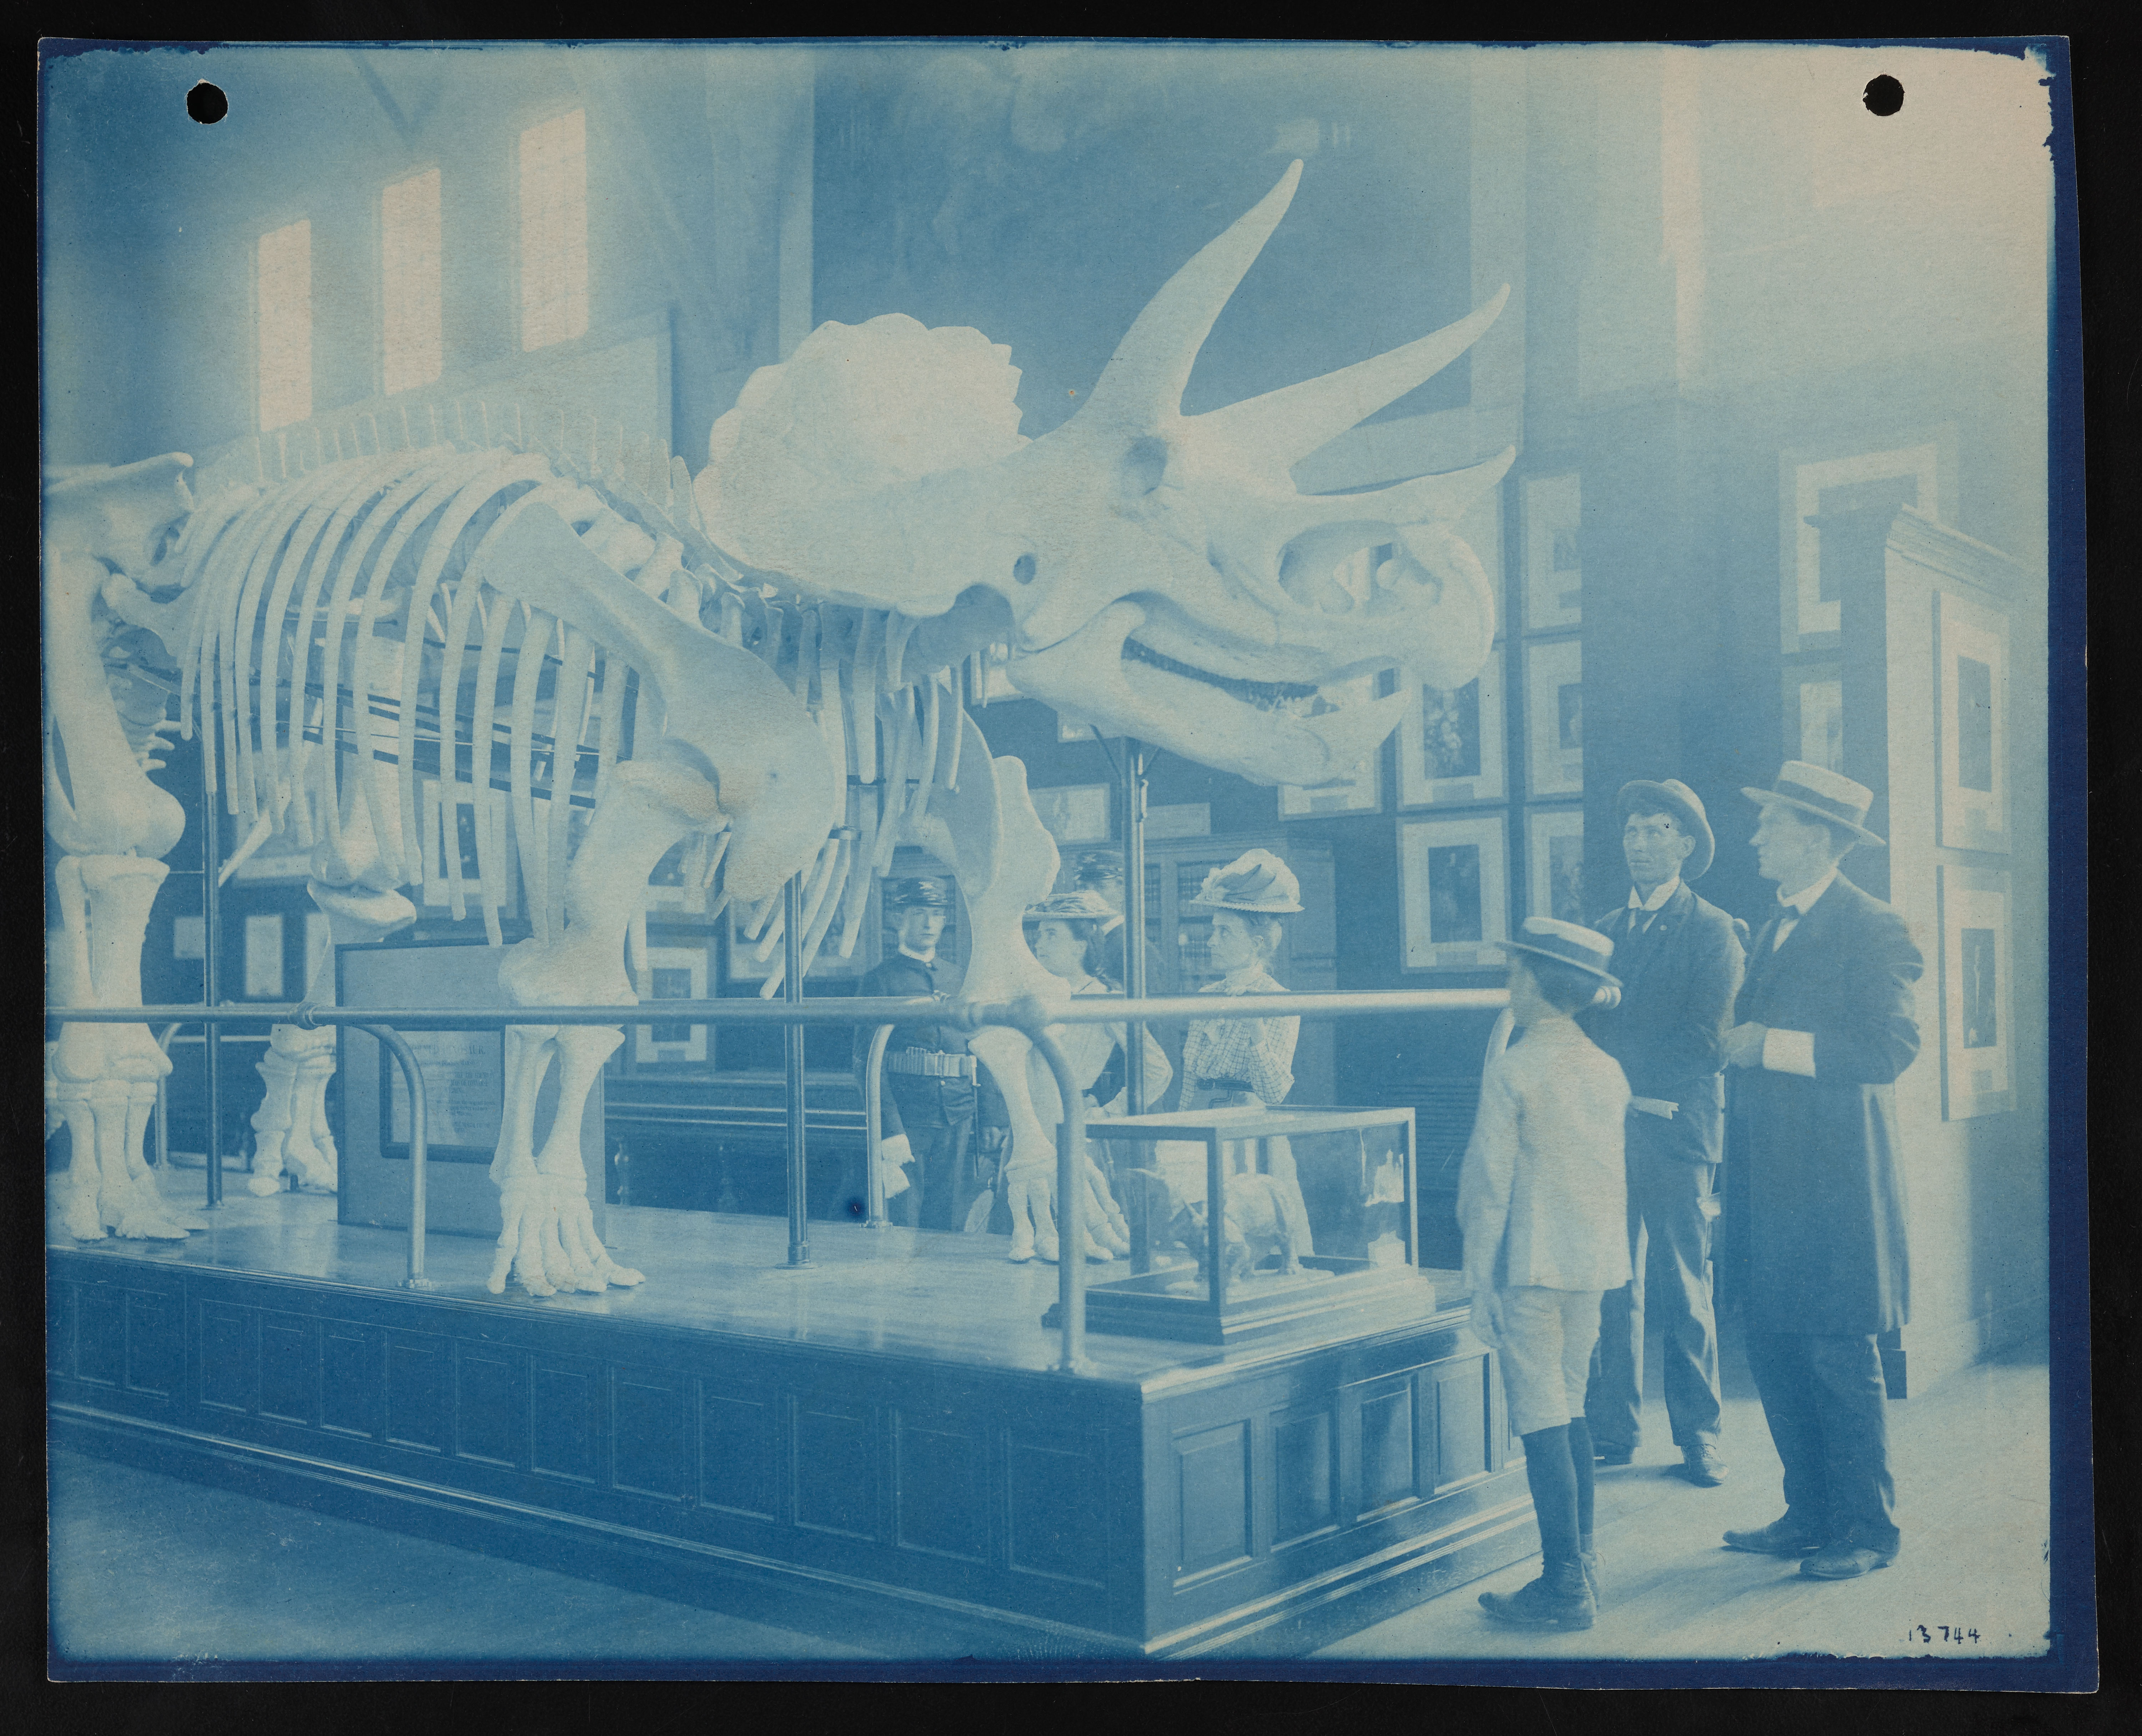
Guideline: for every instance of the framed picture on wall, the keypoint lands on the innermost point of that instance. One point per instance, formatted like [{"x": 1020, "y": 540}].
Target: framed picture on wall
[
  {"x": 1978, "y": 992},
  {"x": 264, "y": 957},
  {"x": 1361, "y": 794},
  {"x": 1903, "y": 477},
  {"x": 674, "y": 973},
  {"x": 1554, "y": 569},
  {"x": 1453, "y": 878},
  {"x": 1076, "y": 813},
  {"x": 1451, "y": 744},
  {"x": 1814, "y": 715},
  {"x": 1554, "y": 864},
  {"x": 1971, "y": 689},
  {"x": 1554, "y": 717}
]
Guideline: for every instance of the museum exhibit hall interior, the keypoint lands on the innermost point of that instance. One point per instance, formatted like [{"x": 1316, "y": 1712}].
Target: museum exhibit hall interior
[{"x": 915, "y": 553}]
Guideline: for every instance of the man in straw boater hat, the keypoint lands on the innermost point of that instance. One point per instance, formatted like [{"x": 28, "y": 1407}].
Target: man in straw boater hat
[
  {"x": 1815, "y": 1211},
  {"x": 1680, "y": 963},
  {"x": 1542, "y": 1201}
]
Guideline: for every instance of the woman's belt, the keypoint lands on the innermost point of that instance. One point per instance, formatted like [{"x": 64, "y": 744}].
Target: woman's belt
[
  {"x": 1242, "y": 1085},
  {"x": 936, "y": 1063}
]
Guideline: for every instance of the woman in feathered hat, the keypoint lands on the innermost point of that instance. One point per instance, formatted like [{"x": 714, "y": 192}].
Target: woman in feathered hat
[{"x": 1240, "y": 1063}]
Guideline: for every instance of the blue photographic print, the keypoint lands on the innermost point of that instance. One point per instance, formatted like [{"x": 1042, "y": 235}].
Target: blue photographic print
[{"x": 731, "y": 989}]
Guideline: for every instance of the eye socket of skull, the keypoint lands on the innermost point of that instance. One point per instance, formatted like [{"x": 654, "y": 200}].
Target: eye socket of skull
[
  {"x": 1023, "y": 569},
  {"x": 1144, "y": 465}
]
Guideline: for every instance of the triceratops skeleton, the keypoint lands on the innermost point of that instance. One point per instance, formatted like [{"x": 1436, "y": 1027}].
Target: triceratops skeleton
[{"x": 770, "y": 664}]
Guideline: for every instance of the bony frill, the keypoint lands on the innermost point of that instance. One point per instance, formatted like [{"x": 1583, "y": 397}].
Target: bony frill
[{"x": 1255, "y": 881}]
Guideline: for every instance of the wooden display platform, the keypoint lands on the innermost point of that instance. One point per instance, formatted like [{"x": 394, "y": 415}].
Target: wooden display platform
[{"x": 886, "y": 1423}]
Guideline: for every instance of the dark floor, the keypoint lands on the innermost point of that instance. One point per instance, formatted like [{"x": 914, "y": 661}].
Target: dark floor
[{"x": 148, "y": 1566}]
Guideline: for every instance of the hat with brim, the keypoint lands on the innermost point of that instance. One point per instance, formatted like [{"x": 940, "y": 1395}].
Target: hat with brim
[
  {"x": 1825, "y": 794},
  {"x": 1642, "y": 796},
  {"x": 918, "y": 894},
  {"x": 1566, "y": 943},
  {"x": 1080, "y": 906},
  {"x": 1256, "y": 882}
]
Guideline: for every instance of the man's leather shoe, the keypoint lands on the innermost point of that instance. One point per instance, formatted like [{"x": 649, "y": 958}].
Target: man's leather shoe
[
  {"x": 1701, "y": 1465},
  {"x": 1844, "y": 1560},
  {"x": 1612, "y": 1455},
  {"x": 1779, "y": 1537}
]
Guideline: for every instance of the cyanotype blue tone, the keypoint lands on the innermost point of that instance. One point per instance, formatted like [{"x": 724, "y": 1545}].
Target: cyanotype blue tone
[{"x": 964, "y": 570}]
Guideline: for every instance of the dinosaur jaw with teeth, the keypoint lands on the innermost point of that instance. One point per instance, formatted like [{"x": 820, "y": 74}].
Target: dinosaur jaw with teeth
[{"x": 1268, "y": 732}]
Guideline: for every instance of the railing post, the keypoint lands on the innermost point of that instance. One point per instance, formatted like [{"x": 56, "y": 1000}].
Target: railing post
[
  {"x": 413, "y": 1074},
  {"x": 873, "y": 1130},
  {"x": 211, "y": 1042},
  {"x": 1070, "y": 1205},
  {"x": 163, "y": 1105},
  {"x": 1135, "y": 918},
  {"x": 791, "y": 1039}
]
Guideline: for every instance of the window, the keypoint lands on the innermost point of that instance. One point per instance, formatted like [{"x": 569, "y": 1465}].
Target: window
[
  {"x": 554, "y": 230},
  {"x": 409, "y": 282},
  {"x": 284, "y": 302}
]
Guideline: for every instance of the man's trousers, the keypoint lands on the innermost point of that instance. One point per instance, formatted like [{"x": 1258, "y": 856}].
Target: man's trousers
[
  {"x": 1670, "y": 1207},
  {"x": 938, "y": 1116},
  {"x": 1827, "y": 1405}
]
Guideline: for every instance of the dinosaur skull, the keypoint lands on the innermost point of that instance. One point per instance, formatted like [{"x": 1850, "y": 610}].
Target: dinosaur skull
[{"x": 1154, "y": 572}]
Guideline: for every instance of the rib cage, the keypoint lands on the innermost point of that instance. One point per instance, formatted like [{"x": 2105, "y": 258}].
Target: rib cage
[{"x": 321, "y": 601}]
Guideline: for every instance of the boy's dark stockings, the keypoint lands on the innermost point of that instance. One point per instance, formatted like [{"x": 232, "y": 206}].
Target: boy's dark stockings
[
  {"x": 1561, "y": 1491},
  {"x": 1580, "y": 1455}
]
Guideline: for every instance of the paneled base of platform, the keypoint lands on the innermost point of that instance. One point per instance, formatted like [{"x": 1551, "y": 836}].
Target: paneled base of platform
[{"x": 1170, "y": 1502}]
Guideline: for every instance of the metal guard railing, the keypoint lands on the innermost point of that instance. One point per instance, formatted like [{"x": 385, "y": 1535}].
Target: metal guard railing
[{"x": 1029, "y": 1015}]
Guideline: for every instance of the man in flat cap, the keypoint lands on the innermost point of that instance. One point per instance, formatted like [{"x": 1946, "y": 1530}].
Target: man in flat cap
[
  {"x": 934, "y": 1090},
  {"x": 1680, "y": 963},
  {"x": 1815, "y": 1211}
]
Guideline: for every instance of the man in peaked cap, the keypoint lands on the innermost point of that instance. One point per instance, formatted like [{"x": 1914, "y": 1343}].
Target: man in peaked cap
[
  {"x": 1680, "y": 962},
  {"x": 933, "y": 1090},
  {"x": 1815, "y": 1211}
]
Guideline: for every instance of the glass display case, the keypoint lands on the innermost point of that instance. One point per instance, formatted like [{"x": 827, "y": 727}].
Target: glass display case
[{"x": 1315, "y": 1205}]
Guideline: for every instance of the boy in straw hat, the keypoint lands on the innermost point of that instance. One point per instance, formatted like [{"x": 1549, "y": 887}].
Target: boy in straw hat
[{"x": 1542, "y": 1201}]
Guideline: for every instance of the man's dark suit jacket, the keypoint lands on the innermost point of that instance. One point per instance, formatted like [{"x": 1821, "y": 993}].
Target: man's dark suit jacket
[
  {"x": 1678, "y": 980},
  {"x": 1814, "y": 1207}
]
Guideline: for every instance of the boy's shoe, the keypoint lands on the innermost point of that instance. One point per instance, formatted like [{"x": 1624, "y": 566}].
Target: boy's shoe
[
  {"x": 1588, "y": 1557},
  {"x": 1559, "y": 1598},
  {"x": 1612, "y": 1455},
  {"x": 1779, "y": 1537},
  {"x": 1701, "y": 1465}
]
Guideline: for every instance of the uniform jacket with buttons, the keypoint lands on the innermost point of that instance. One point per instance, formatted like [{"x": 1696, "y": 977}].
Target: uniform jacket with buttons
[{"x": 906, "y": 1097}]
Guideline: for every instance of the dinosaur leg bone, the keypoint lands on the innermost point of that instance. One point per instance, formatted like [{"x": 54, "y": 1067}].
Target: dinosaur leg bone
[
  {"x": 290, "y": 1127},
  {"x": 549, "y": 1242},
  {"x": 107, "y": 1075},
  {"x": 1006, "y": 862}
]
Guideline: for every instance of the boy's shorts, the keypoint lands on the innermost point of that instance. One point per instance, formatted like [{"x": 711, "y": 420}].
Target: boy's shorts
[{"x": 1547, "y": 1336}]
